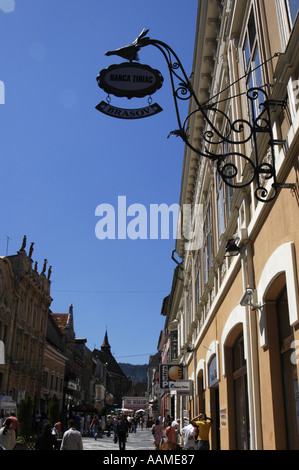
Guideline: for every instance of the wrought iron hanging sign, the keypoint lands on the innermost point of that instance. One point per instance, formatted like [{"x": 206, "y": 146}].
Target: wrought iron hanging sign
[
  {"x": 124, "y": 113},
  {"x": 123, "y": 80},
  {"x": 130, "y": 80}
]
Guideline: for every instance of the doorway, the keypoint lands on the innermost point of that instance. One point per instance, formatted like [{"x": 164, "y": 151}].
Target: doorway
[{"x": 215, "y": 415}]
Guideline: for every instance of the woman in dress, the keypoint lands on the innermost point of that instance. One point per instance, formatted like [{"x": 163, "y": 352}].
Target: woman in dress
[{"x": 157, "y": 432}]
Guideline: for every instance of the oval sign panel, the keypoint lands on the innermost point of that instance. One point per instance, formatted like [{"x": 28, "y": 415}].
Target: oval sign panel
[{"x": 130, "y": 80}]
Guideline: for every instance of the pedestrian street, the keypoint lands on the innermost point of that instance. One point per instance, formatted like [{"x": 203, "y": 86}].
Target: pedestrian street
[{"x": 141, "y": 440}]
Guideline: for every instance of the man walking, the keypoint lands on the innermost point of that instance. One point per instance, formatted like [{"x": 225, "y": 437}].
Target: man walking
[
  {"x": 72, "y": 439},
  {"x": 121, "y": 431}
]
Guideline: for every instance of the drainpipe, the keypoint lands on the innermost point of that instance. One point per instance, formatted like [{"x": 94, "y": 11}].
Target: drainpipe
[
  {"x": 193, "y": 274},
  {"x": 254, "y": 398}
]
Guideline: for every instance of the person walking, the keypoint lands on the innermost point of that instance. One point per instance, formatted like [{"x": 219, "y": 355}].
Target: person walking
[
  {"x": 109, "y": 425},
  {"x": 203, "y": 424},
  {"x": 134, "y": 424},
  {"x": 115, "y": 421},
  {"x": 157, "y": 433},
  {"x": 121, "y": 432},
  {"x": 170, "y": 433},
  {"x": 176, "y": 425},
  {"x": 47, "y": 440},
  {"x": 188, "y": 434},
  {"x": 15, "y": 423},
  {"x": 56, "y": 430},
  {"x": 95, "y": 424},
  {"x": 8, "y": 435},
  {"x": 72, "y": 439},
  {"x": 141, "y": 421}
]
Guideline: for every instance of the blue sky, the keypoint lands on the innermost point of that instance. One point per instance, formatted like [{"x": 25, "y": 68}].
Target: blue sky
[{"x": 61, "y": 158}]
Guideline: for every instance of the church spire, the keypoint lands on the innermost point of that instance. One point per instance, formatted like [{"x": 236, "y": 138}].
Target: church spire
[{"x": 105, "y": 346}]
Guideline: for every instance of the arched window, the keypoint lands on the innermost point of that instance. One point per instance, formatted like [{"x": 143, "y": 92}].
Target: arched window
[
  {"x": 288, "y": 371},
  {"x": 283, "y": 367},
  {"x": 237, "y": 395},
  {"x": 201, "y": 396},
  {"x": 239, "y": 370}
]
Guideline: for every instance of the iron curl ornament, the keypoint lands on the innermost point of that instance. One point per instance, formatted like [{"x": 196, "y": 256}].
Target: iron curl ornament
[{"x": 230, "y": 163}]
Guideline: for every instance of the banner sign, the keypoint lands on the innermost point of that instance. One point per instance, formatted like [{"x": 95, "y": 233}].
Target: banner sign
[
  {"x": 169, "y": 374},
  {"x": 130, "y": 80},
  {"x": 123, "y": 113},
  {"x": 181, "y": 386},
  {"x": 213, "y": 372}
]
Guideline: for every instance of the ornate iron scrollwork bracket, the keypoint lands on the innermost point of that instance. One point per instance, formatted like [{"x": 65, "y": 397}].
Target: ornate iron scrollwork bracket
[{"x": 225, "y": 146}]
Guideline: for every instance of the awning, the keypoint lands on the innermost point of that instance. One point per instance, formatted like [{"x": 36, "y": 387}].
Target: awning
[
  {"x": 7, "y": 403},
  {"x": 125, "y": 410}
]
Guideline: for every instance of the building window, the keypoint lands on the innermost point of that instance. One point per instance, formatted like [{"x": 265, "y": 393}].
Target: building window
[
  {"x": 224, "y": 194},
  {"x": 34, "y": 318},
  {"x": 17, "y": 345},
  {"x": 240, "y": 395},
  {"x": 292, "y": 11},
  {"x": 189, "y": 300},
  {"x": 197, "y": 278},
  {"x": 220, "y": 206},
  {"x": 3, "y": 332},
  {"x": 5, "y": 335},
  {"x": 42, "y": 321},
  {"x": 289, "y": 372},
  {"x": 208, "y": 243},
  {"x": 25, "y": 341},
  {"x": 252, "y": 61},
  {"x": 45, "y": 379},
  {"x": 28, "y": 313},
  {"x": 201, "y": 399},
  {"x": 30, "y": 359}
]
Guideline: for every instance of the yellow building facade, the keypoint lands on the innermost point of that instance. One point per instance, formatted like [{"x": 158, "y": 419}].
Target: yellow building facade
[{"x": 237, "y": 316}]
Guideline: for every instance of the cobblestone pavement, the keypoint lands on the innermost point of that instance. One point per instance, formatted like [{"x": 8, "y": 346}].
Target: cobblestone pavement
[{"x": 141, "y": 440}]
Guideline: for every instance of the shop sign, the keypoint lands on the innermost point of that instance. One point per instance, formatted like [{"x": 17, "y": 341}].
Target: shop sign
[
  {"x": 72, "y": 385},
  {"x": 213, "y": 372},
  {"x": 130, "y": 80},
  {"x": 169, "y": 374},
  {"x": 181, "y": 386},
  {"x": 123, "y": 113}
]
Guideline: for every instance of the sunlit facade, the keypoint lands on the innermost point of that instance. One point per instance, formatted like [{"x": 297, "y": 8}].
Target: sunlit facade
[{"x": 240, "y": 350}]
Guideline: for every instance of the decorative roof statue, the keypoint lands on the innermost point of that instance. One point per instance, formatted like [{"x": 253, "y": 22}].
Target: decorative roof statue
[
  {"x": 31, "y": 250},
  {"x": 23, "y": 243}
]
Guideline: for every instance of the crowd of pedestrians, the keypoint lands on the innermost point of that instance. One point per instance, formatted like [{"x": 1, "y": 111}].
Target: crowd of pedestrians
[
  {"x": 167, "y": 433},
  {"x": 193, "y": 436},
  {"x": 55, "y": 438}
]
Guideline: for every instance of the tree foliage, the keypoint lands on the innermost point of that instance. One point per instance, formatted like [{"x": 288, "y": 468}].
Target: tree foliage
[
  {"x": 53, "y": 410},
  {"x": 25, "y": 412}
]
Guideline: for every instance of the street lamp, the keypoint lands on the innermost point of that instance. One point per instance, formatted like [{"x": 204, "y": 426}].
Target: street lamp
[
  {"x": 238, "y": 132},
  {"x": 249, "y": 299}
]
